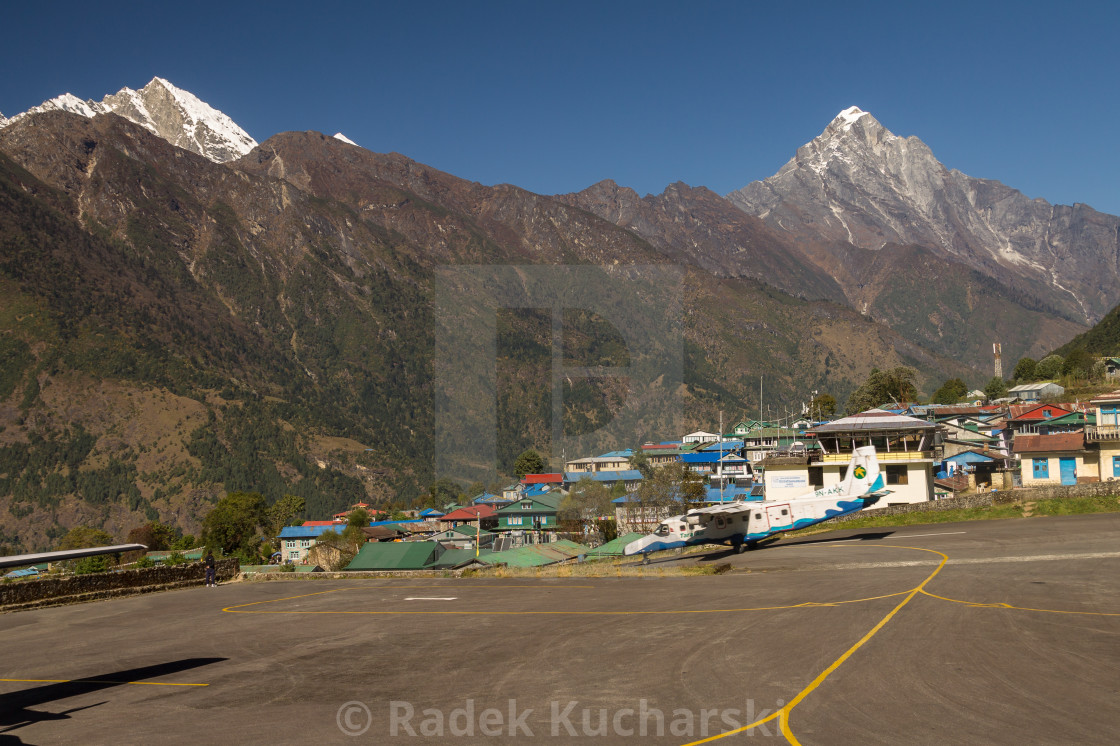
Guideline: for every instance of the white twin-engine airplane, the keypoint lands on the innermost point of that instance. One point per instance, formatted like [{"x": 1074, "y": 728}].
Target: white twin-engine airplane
[{"x": 745, "y": 524}]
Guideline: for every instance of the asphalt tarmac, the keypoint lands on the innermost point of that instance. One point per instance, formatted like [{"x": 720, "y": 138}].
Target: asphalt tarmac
[{"x": 984, "y": 632}]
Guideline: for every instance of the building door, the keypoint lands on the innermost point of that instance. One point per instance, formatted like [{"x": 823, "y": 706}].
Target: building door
[
  {"x": 1069, "y": 470},
  {"x": 779, "y": 516}
]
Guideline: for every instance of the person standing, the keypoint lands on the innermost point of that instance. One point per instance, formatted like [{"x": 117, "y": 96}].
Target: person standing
[{"x": 211, "y": 581}]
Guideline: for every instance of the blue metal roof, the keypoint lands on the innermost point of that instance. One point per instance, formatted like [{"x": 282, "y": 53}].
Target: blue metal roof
[
  {"x": 430, "y": 513},
  {"x": 730, "y": 494},
  {"x": 618, "y": 454},
  {"x": 629, "y": 475},
  {"x": 727, "y": 445},
  {"x": 308, "y": 532},
  {"x": 700, "y": 458}
]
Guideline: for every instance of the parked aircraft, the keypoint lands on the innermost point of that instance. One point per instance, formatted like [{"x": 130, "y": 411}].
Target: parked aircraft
[{"x": 746, "y": 523}]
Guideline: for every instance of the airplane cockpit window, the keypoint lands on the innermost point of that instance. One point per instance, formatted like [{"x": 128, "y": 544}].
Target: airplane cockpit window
[{"x": 663, "y": 530}]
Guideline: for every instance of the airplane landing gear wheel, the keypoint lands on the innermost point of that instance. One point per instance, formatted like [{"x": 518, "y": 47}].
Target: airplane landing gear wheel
[{"x": 645, "y": 558}]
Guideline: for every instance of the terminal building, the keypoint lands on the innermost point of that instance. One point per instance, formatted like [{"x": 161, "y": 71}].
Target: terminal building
[{"x": 907, "y": 448}]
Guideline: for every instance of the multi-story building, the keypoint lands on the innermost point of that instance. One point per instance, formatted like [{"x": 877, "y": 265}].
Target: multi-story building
[{"x": 906, "y": 447}]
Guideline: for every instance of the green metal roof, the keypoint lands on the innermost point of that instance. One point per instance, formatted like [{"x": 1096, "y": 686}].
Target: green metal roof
[
  {"x": 614, "y": 547},
  {"x": 456, "y": 557},
  {"x": 536, "y": 555},
  {"x": 396, "y": 555}
]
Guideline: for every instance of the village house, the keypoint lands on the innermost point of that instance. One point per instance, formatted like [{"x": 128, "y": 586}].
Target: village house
[
  {"x": 613, "y": 461},
  {"x": 1032, "y": 392},
  {"x": 1104, "y": 435},
  {"x": 537, "y": 513},
  {"x": 1058, "y": 458}
]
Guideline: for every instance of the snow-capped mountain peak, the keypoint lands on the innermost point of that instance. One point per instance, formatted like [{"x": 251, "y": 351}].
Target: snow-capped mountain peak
[{"x": 172, "y": 113}]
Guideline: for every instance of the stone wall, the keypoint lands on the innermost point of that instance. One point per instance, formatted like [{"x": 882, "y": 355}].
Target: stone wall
[
  {"x": 48, "y": 591},
  {"x": 982, "y": 500},
  {"x": 1057, "y": 491}
]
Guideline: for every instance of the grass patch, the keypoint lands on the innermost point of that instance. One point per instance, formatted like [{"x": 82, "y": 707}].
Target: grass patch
[
  {"x": 1078, "y": 505},
  {"x": 1056, "y": 506}
]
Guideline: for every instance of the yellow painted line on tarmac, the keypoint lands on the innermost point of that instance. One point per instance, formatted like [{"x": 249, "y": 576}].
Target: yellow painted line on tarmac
[
  {"x": 1001, "y": 605},
  {"x": 100, "y": 681},
  {"x": 784, "y": 713}
]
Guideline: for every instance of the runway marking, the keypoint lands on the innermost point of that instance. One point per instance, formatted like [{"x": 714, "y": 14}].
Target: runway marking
[
  {"x": 100, "y": 681},
  {"x": 431, "y": 598},
  {"x": 915, "y": 536},
  {"x": 783, "y": 714},
  {"x": 805, "y": 604},
  {"x": 1001, "y": 605}
]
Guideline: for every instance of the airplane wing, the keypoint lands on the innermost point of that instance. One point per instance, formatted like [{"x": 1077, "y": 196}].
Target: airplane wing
[{"x": 17, "y": 560}]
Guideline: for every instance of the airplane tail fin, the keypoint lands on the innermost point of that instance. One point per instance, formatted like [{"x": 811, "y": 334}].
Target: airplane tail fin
[{"x": 864, "y": 476}]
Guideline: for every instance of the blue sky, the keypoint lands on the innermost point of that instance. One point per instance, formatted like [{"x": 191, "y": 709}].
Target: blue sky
[{"x": 555, "y": 96}]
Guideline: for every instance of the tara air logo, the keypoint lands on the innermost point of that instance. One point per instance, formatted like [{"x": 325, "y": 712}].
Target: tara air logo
[{"x": 860, "y": 472}]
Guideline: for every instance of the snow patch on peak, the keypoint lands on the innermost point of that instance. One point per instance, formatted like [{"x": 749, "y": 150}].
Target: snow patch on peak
[
  {"x": 849, "y": 116},
  {"x": 345, "y": 139}
]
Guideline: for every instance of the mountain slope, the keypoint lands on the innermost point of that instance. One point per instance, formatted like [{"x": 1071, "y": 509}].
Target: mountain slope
[
  {"x": 859, "y": 183},
  {"x": 174, "y": 328},
  {"x": 694, "y": 225}
]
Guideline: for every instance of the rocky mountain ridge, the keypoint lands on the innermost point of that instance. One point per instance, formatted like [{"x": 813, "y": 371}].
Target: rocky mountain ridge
[
  {"x": 861, "y": 184},
  {"x": 169, "y": 112}
]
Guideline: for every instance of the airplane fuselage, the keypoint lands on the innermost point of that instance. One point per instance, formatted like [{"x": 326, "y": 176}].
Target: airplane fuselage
[{"x": 739, "y": 527}]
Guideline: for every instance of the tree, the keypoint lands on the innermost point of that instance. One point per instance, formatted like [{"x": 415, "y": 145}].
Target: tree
[
  {"x": 358, "y": 517},
  {"x": 1077, "y": 364},
  {"x": 823, "y": 407},
  {"x": 996, "y": 388},
  {"x": 155, "y": 536},
  {"x": 282, "y": 512},
  {"x": 336, "y": 550},
  {"x": 1025, "y": 369},
  {"x": 475, "y": 490},
  {"x": 1049, "y": 367},
  {"x": 672, "y": 489},
  {"x": 584, "y": 504},
  {"x": 951, "y": 392},
  {"x": 83, "y": 537},
  {"x": 444, "y": 491},
  {"x": 529, "y": 462},
  {"x": 883, "y": 387},
  {"x": 640, "y": 461},
  {"x": 232, "y": 525}
]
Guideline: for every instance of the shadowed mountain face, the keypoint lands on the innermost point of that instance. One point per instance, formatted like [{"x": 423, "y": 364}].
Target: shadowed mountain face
[
  {"x": 176, "y": 328},
  {"x": 860, "y": 184}
]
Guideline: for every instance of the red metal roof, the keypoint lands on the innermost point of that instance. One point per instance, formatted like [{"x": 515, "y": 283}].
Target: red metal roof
[
  {"x": 1055, "y": 442},
  {"x": 543, "y": 479},
  {"x": 1033, "y": 412},
  {"x": 318, "y": 523},
  {"x": 470, "y": 513}
]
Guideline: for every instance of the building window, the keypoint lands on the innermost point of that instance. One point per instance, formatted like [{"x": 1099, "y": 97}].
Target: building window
[
  {"x": 526, "y": 505},
  {"x": 816, "y": 476},
  {"x": 1041, "y": 468},
  {"x": 897, "y": 475},
  {"x": 515, "y": 520}
]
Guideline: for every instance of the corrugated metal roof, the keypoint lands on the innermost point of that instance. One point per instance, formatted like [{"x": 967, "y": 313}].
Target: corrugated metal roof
[
  {"x": 614, "y": 547},
  {"x": 603, "y": 476},
  {"x": 873, "y": 420},
  {"x": 1056, "y": 442},
  {"x": 536, "y": 555},
  {"x": 396, "y": 556}
]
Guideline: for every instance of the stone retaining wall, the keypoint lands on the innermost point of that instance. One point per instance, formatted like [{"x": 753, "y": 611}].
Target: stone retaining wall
[
  {"x": 48, "y": 591},
  {"x": 1057, "y": 491},
  {"x": 982, "y": 500}
]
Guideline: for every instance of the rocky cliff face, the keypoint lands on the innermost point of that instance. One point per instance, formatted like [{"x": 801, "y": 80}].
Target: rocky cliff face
[
  {"x": 175, "y": 115},
  {"x": 859, "y": 183}
]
